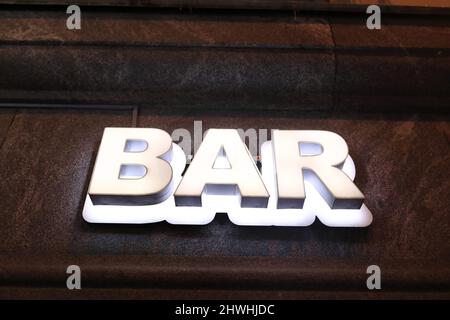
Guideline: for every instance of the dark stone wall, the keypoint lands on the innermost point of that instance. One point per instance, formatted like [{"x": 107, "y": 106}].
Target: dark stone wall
[
  {"x": 46, "y": 159},
  {"x": 386, "y": 92},
  {"x": 227, "y": 60}
]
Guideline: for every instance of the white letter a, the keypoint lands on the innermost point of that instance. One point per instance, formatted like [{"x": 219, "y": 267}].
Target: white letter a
[{"x": 73, "y": 22}]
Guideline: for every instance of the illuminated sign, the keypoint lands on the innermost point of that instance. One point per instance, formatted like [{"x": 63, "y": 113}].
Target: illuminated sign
[{"x": 138, "y": 178}]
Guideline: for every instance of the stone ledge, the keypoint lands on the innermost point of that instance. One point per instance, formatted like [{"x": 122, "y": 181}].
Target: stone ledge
[{"x": 226, "y": 60}]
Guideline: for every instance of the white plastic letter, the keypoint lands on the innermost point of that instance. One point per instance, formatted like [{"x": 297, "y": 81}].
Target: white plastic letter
[
  {"x": 318, "y": 156},
  {"x": 222, "y": 166},
  {"x": 132, "y": 168}
]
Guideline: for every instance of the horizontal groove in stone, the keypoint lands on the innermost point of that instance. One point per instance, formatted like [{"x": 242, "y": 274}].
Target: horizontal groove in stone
[
  {"x": 174, "y": 29},
  {"x": 222, "y": 272},
  {"x": 402, "y": 32}
]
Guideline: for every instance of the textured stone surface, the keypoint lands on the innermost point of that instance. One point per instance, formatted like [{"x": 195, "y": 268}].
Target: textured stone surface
[
  {"x": 401, "y": 160},
  {"x": 190, "y": 77},
  {"x": 405, "y": 65},
  {"x": 372, "y": 85},
  {"x": 398, "y": 32},
  {"x": 256, "y": 60},
  {"x": 6, "y": 117},
  {"x": 168, "y": 28},
  {"x": 44, "y": 164},
  {"x": 399, "y": 163},
  {"x": 271, "y": 61}
]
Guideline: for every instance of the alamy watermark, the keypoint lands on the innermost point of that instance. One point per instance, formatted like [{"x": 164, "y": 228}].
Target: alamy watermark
[
  {"x": 252, "y": 137},
  {"x": 73, "y": 22},
  {"x": 374, "y": 280},
  {"x": 74, "y": 280},
  {"x": 374, "y": 20}
]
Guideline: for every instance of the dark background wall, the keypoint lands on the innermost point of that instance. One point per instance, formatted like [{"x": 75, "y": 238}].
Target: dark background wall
[
  {"x": 263, "y": 60},
  {"x": 386, "y": 92}
]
